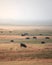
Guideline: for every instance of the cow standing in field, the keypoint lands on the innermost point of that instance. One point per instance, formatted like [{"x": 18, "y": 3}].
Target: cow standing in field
[
  {"x": 23, "y": 45},
  {"x": 47, "y": 38},
  {"x": 42, "y": 42},
  {"x": 27, "y": 38},
  {"x": 34, "y": 37},
  {"x": 40, "y": 34},
  {"x": 12, "y": 41},
  {"x": 24, "y": 34}
]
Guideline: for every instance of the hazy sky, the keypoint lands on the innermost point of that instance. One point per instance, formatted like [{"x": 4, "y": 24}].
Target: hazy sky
[{"x": 26, "y": 12}]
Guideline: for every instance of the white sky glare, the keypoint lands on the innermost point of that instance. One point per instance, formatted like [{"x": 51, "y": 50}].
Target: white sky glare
[{"x": 26, "y": 12}]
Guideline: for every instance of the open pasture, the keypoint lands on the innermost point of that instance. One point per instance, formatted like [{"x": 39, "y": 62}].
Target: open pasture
[
  {"x": 36, "y": 52},
  {"x": 24, "y": 39}
]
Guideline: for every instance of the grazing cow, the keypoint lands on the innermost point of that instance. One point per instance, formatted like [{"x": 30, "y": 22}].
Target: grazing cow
[
  {"x": 1, "y": 31},
  {"x": 43, "y": 42},
  {"x": 10, "y": 31},
  {"x": 24, "y": 34},
  {"x": 27, "y": 38},
  {"x": 40, "y": 34},
  {"x": 34, "y": 37},
  {"x": 23, "y": 45},
  {"x": 12, "y": 40},
  {"x": 47, "y": 38}
]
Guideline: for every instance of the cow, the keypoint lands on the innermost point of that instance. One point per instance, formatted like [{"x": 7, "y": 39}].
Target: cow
[
  {"x": 10, "y": 31},
  {"x": 47, "y": 38},
  {"x": 1, "y": 31},
  {"x": 24, "y": 34},
  {"x": 43, "y": 42},
  {"x": 34, "y": 37},
  {"x": 27, "y": 38},
  {"x": 23, "y": 45},
  {"x": 40, "y": 34},
  {"x": 12, "y": 40}
]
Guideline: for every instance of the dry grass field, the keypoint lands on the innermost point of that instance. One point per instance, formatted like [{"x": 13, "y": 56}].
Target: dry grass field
[
  {"x": 31, "y": 62},
  {"x": 36, "y": 52}
]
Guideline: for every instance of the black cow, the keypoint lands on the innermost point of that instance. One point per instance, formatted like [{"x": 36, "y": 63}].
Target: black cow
[
  {"x": 12, "y": 40},
  {"x": 23, "y": 45},
  {"x": 43, "y": 42},
  {"x": 24, "y": 34},
  {"x": 40, "y": 34},
  {"x": 27, "y": 38}
]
